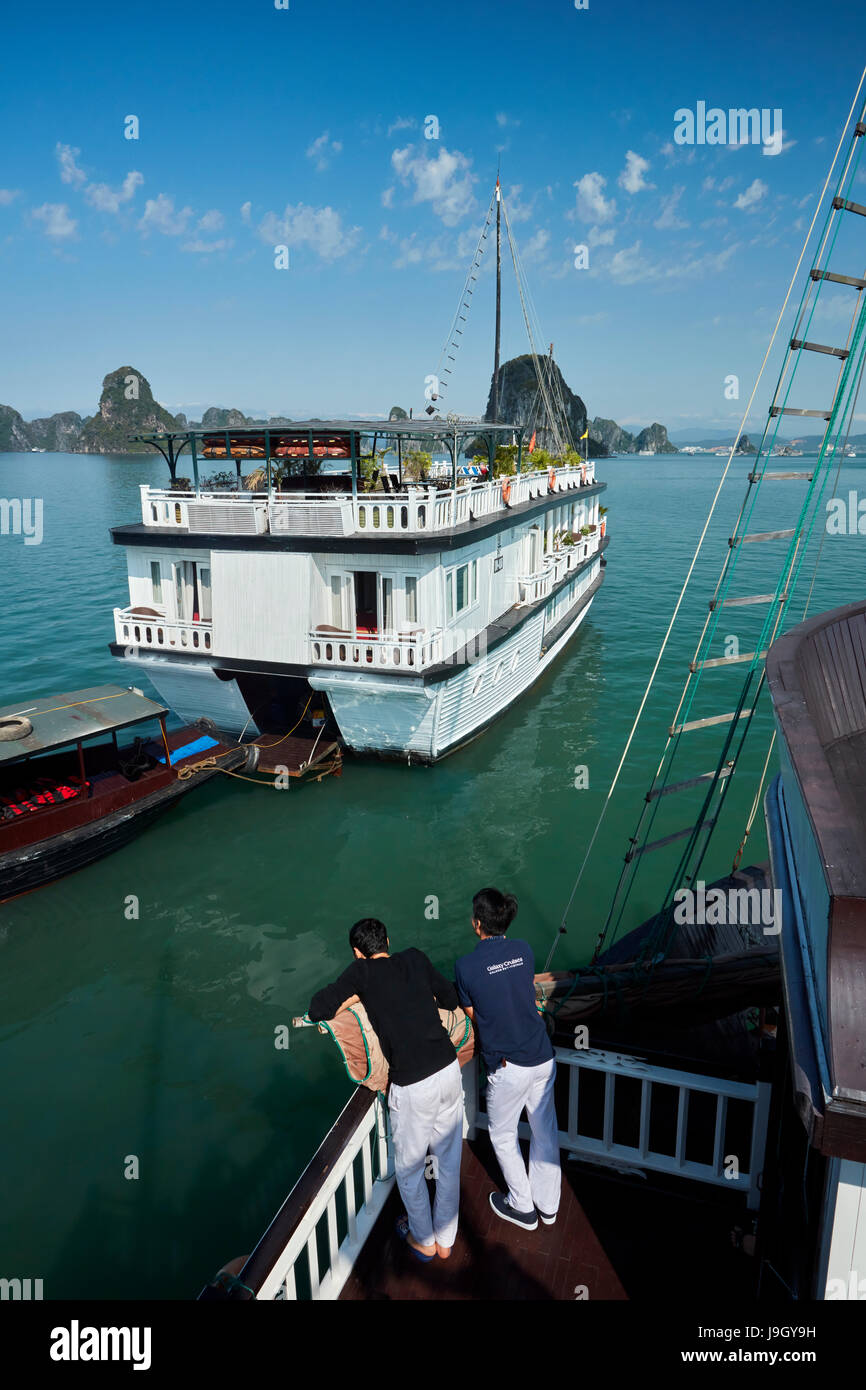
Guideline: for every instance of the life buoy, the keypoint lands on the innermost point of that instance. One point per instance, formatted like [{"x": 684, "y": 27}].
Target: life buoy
[
  {"x": 14, "y": 726},
  {"x": 506, "y": 490},
  {"x": 602, "y": 526},
  {"x": 582, "y": 474},
  {"x": 551, "y": 479}
]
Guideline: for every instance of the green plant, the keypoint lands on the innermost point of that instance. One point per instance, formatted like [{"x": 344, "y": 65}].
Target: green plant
[
  {"x": 416, "y": 466},
  {"x": 182, "y": 485},
  {"x": 585, "y": 530},
  {"x": 220, "y": 482},
  {"x": 568, "y": 539}
]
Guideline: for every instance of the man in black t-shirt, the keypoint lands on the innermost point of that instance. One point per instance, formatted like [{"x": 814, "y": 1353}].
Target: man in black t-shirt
[{"x": 425, "y": 1095}]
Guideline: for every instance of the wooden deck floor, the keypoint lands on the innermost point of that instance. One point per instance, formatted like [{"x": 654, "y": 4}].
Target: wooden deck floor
[
  {"x": 302, "y": 757},
  {"x": 491, "y": 1258}
]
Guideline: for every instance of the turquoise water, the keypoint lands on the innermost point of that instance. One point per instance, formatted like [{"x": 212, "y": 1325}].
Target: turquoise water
[{"x": 155, "y": 1038}]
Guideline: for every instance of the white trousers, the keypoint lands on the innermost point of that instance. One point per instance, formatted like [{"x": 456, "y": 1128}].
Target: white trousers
[
  {"x": 509, "y": 1090},
  {"x": 427, "y": 1119}
]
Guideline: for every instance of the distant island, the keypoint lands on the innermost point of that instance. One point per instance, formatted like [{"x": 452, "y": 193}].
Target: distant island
[{"x": 127, "y": 407}]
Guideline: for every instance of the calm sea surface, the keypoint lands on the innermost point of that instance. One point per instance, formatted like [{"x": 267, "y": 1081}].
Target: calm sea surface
[{"x": 155, "y": 1038}]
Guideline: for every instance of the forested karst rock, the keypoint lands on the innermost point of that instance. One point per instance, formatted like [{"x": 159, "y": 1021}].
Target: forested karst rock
[
  {"x": 520, "y": 402},
  {"x": 655, "y": 437},
  {"x": 611, "y": 435},
  {"x": 14, "y": 432},
  {"x": 126, "y": 407}
]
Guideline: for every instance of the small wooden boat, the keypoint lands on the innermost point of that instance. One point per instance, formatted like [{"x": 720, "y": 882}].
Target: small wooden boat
[{"x": 71, "y": 792}]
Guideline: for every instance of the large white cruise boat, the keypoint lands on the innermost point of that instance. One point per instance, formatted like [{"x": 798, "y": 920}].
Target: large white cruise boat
[{"x": 419, "y": 611}]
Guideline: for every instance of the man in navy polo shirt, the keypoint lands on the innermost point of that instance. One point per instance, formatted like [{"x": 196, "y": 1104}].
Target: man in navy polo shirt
[{"x": 496, "y": 986}]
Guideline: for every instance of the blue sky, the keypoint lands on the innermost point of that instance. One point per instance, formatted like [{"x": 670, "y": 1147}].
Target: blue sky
[{"x": 305, "y": 127}]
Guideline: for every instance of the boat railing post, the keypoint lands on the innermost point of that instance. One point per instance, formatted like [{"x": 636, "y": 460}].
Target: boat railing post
[
  {"x": 81, "y": 772},
  {"x": 353, "y": 449},
  {"x": 193, "y": 453},
  {"x": 268, "y": 462}
]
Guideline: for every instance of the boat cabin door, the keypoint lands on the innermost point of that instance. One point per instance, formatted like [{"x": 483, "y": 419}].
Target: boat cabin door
[
  {"x": 192, "y": 591},
  {"x": 374, "y": 601}
]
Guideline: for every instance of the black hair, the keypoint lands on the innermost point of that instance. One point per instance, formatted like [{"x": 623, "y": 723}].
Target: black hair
[
  {"x": 369, "y": 936},
  {"x": 494, "y": 910}
]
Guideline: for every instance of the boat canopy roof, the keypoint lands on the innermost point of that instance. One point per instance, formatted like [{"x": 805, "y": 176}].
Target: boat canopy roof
[
  {"x": 76, "y": 715},
  {"x": 436, "y": 427}
]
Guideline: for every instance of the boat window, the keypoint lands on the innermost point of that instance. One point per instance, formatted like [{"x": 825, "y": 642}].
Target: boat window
[
  {"x": 337, "y": 600},
  {"x": 461, "y": 587},
  {"x": 156, "y": 580},
  {"x": 387, "y": 604},
  {"x": 204, "y": 587},
  {"x": 411, "y": 599}
]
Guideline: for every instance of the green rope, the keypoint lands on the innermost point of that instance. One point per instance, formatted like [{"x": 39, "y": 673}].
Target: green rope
[
  {"x": 229, "y": 1282},
  {"x": 324, "y": 1024}
]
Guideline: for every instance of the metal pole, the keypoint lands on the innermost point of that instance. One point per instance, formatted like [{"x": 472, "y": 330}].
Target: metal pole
[
  {"x": 194, "y": 457},
  {"x": 498, "y": 302}
]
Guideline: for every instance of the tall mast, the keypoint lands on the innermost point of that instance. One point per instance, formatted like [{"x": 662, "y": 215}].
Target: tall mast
[{"x": 498, "y": 301}]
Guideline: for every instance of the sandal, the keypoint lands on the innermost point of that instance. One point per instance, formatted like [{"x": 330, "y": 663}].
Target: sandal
[{"x": 402, "y": 1229}]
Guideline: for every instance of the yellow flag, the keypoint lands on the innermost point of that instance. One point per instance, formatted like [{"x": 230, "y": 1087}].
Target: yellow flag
[{"x": 585, "y": 433}]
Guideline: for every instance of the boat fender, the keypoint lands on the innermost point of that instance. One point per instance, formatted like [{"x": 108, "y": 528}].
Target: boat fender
[
  {"x": 14, "y": 726},
  {"x": 506, "y": 490},
  {"x": 551, "y": 479},
  {"x": 252, "y": 761}
]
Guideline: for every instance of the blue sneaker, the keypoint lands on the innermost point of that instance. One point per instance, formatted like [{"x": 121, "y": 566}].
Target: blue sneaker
[{"x": 503, "y": 1208}]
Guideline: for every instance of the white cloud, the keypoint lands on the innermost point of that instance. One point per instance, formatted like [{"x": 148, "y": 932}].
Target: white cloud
[
  {"x": 388, "y": 198},
  {"x": 592, "y": 206},
  {"x": 629, "y": 266},
  {"x": 536, "y": 245},
  {"x": 632, "y": 177},
  {"x": 69, "y": 170},
  {"x": 56, "y": 219},
  {"x": 246, "y": 209},
  {"x": 160, "y": 216},
  {"x": 518, "y": 211},
  {"x": 8, "y": 195},
  {"x": 319, "y": 228},
  {"x": 503, "y": 120},
  {"x": 597, "y": 237},
  {"x": 323, "y": 150},
  {"x": 205, "y": 248},
  {"x": 106, "y": 199},
  {"x": 748, "y": 201},
  {"x": 211, "y": 221},
  {"x": 444, "y": 181},
  {"x": 402, "y": 123},
  {"x": 668, "y": 219}
]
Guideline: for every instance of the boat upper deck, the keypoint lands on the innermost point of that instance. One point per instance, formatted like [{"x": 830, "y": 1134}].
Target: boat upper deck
[
  {"x": 413, "y": 511},
  {"x": 313, "y": 479}
]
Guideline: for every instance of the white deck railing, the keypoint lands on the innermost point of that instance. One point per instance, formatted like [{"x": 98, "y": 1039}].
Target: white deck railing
[
  {"x": 134, "y": 629},
  {"x": 418, "y": 508},
  {"x": 554, "y": 567},
  {"x": 310, "y": 1248},
  {"x": 401, "y": 651},
  {"x": 661, "y": 1128}
]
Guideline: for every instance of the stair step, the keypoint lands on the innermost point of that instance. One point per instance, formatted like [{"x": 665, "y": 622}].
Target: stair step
[
  {"x": 819, "y": 347},
  {"x": 741, "y": 602},
  {"x": 752, "y": 536},
  {"x": 849, "y": 207},
  {"x": 691, "y": 782},
  {"x": 794, "y": 410},
  {"x": 706, "y": 723},
  {"x": 854, "y": 280},
  {"x": 724, "y": 661},
  {"x": 777, "y": 477},
  {"x": 667, "y": 839}
]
